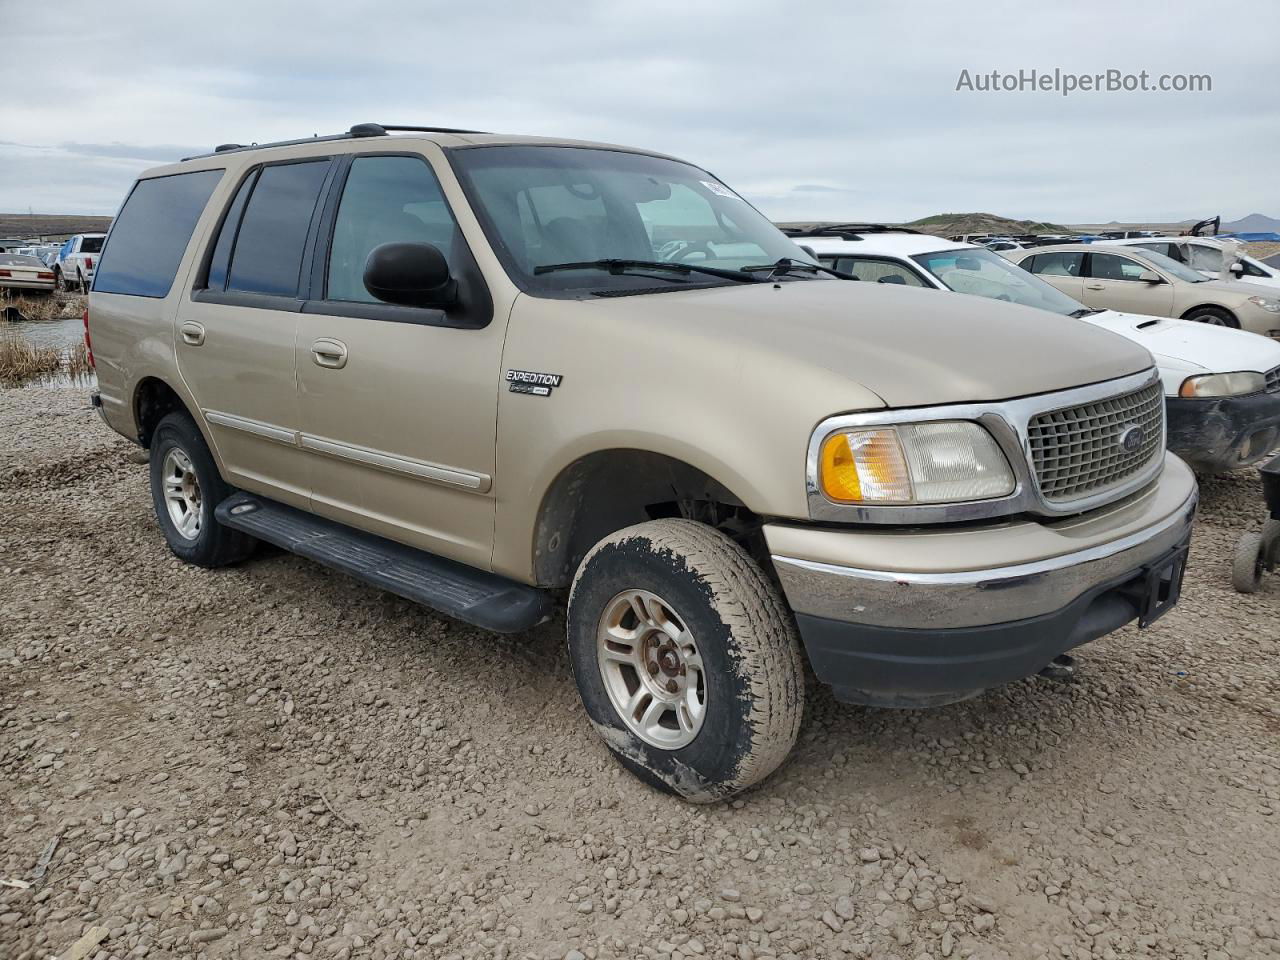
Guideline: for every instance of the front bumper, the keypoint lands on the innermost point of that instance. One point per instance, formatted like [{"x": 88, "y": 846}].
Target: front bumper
[
  {"x": 1219, "y": 434},
  {"x": 919, "y": 635}
]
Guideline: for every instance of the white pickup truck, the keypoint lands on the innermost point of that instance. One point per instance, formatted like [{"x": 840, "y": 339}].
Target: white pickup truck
[{"x": 73, "y": 268}]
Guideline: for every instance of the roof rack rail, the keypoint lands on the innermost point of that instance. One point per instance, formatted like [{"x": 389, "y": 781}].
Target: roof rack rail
[
  {"x": 845, "y": 231},
  {"x": 358, "y": 130}
]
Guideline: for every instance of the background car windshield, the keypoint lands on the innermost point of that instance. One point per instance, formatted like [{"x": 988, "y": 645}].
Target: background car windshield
[
  {"x": 1168, "y": 265},
  {"x": 988, "y": 274},
  {"x": 550, "y": 205},
  {"x": 18, "y": 260}
]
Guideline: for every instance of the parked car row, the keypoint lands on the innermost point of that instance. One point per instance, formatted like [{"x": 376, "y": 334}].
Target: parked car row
[
  {"x": 487, "y": 372},
  {"x": 1221, "y": 387}
]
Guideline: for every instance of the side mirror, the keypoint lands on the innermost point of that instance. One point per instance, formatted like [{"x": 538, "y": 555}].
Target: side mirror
[
  {"x": 1237, "y": 269},
  {"x": 809, "y": 250},
  {"x": 1150, "y": 276},
  {"x": 410, "y": 274}
]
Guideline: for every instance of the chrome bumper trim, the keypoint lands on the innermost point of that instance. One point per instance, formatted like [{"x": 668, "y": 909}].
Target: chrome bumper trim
[{"x": 972, "y": 598}]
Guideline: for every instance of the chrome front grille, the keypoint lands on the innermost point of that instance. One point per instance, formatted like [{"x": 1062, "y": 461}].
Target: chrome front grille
[
  {"x": 1273, "y": 380},
  {"x": 1083, "y": 450}
]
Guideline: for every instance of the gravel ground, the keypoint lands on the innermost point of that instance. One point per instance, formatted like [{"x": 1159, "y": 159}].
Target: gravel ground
[{"x": 275, "y": 761}]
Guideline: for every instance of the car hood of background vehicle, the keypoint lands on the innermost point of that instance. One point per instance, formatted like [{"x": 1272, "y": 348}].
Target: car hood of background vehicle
[
  {"x": 910, "y": 346},
  {"x": 1214, "y": 349}
]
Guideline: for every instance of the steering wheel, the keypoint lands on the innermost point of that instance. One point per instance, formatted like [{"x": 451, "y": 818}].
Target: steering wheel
[{"x": 698, "y": 246}]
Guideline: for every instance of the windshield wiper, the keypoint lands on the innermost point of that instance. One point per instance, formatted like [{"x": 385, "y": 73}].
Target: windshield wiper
[
  {"x": 787, "y": 264},
  {"x": 1083, "y": 312},
  {"x": 618, "y": 266}
]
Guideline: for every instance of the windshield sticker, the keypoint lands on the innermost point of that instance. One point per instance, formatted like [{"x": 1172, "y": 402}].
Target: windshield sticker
[{"x": 719, "y": 189}]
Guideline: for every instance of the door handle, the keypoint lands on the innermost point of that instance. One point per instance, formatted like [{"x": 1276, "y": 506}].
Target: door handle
[
  {"x": 1094, "y": 286},
  {"x": 327, "y": 352},
  {"x": 192, "y": 333}
]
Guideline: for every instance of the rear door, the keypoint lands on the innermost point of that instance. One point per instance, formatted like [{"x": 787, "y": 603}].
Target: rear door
[
  {"x": 399, "y": 404},
  {"x": 1112, "y": 283},
  {"x": 236, "y": 331},
  {"x": 1061, "y": 268}
]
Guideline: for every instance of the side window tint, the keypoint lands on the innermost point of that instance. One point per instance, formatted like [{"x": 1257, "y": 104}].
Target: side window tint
[
  {"x": 151, "y": 234},
  {"x": 386, "y": 200},
  {"x": 1108, "y": 266},
  {"x": 227, "y": 235},
  {"x": 269, "y": 247},
  {"x": 1057, "y": 264}
]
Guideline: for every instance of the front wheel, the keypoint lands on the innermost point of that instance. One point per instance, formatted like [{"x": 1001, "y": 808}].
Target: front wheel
[
  {"x": 186, "y": 488},
  {"x": 1214, "y": 316},
  {"x": 686, "y": 658}
]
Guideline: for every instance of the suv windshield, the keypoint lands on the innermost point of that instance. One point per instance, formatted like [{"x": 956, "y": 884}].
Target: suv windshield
[
  {"x": 987, "y": 274},
  {"x": 555, "y": 206}
]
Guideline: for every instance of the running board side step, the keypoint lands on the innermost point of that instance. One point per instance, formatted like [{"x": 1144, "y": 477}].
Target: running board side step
[{"x": 483, "y": 599}]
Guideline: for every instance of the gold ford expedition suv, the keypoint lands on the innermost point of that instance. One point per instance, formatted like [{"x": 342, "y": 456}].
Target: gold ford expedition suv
[{"x": 494, "y": 373}]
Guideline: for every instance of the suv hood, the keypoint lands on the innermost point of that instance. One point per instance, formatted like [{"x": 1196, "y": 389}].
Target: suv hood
[
  {"x": 1182, "y": 347},
  {"x": 910, "y": 346}
]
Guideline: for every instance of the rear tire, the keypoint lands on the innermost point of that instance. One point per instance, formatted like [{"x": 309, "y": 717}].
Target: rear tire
[
  {"x": 185, "y": 489},
  {"x": 59, "y": 282},
  {"x": 1214, "y": 316},
  {"x": 676, "y": 620}
]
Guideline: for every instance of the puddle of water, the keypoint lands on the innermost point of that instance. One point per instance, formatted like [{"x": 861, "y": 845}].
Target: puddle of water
[{"x": 61, "y": 334}]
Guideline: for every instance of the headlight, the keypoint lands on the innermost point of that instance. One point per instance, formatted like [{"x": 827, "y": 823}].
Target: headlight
[
  {"x": 1223, "y": 384},
  {"x": 936, "y": 462},
  {"x": 1266, "y": 303}
]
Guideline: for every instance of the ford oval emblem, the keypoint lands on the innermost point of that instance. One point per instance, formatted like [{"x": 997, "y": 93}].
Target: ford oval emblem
[{"x": 1130, "y": 440}]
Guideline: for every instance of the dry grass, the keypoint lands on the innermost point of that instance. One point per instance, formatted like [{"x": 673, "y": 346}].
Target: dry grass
[
  {"x": 52, "y": 307},
  {"x": 23, "y": 362}
]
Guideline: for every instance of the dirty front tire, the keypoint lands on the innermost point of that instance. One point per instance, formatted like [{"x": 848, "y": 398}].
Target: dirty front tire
[
  {"x": 1214, "y": 316},
  {"x": 185, "y": 489},
  {"x": 1247, "y": 563},
  {"x": 693, "y": 598}
]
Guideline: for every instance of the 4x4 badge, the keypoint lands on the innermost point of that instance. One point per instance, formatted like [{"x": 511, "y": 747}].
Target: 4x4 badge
[{"x": 532, "y": 382}]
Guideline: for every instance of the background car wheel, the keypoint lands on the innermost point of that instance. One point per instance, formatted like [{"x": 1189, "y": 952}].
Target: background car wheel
[
  {"x": 59, "y": 282},
  {"x": 686, "y": 657},
  {"x": 185, "y": 488},
  {"x": 81, "y": 284},
  {"x": 1248, "y": 564},
  {"x": 1215, "y": 316}
]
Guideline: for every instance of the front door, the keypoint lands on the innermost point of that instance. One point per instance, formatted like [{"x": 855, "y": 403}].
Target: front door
[
  {"x": 399, "y": 403},
  {"x": 1112, "y": 283},
  {"x": 236, "y": 330}
]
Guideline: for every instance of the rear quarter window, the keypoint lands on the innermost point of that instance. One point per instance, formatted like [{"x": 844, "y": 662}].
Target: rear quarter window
[{"x": 151, "y": 234}]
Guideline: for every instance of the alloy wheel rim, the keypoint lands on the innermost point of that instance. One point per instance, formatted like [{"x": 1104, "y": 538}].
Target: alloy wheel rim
[
  {"x": 652, "y": 669},
  {"x": 182, "y": 493}
]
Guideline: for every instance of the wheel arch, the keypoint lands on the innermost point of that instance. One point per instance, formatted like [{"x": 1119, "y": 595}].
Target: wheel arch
[
  {"x": 153, "y": 400},
  {"x": 604, "y": 491},
  {"x": 1186, "y": 314}
]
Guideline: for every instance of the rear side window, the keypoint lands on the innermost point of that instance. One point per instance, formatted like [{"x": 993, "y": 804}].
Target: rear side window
[
  {"x": 268, "y": 247},
  {"x": 1055, "y": 264},
  {"x": 151, "y": 234},
  {"x": 91, "y": 244}
]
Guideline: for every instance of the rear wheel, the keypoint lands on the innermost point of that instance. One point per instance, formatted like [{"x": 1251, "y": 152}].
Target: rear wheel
[
  {"x": 186, "y": 488},
  {"x": 59, "y": 281},
  {"x": 1248, "y": 564},
  {"x": 1214, "y": 316},
  {"x": 686, "y": 658}
]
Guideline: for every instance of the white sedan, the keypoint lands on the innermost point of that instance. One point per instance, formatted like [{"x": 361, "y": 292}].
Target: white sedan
[{"x": 23, "y": 273}]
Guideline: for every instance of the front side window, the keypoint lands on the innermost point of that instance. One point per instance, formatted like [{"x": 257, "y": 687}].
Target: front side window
[
  {"x": 1170, "y": 266},
  {"x": 151, "y": 234},
  {"x": 986, "y": 274},
  {"x": 1108, "y": 266},
  {"x": 387, "y": 200},
  {"x": 267, "y": 255},
  {"x": 546, "y": 206},
  {"x": 1059, "y": 264},
  {"x": 878, "y": 271}
]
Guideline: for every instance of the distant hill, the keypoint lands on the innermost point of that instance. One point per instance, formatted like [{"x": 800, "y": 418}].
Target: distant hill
[
  {"x": 49, "y": 225},
  {"x": 1253, "y": 223},
  {"x": 949, "y": 224}
]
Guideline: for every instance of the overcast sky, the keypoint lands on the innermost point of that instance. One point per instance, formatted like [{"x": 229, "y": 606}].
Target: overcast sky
[{"x": 821, "y": 110}]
